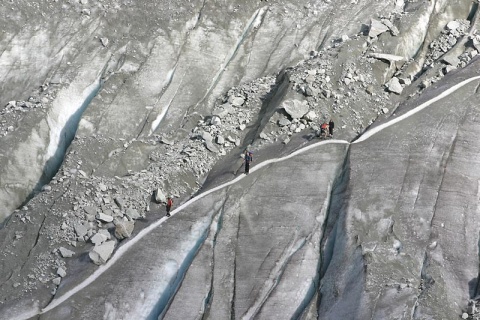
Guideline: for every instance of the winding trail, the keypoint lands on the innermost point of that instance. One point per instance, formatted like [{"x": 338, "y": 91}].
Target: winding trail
[{"x": 124, "y": 248}]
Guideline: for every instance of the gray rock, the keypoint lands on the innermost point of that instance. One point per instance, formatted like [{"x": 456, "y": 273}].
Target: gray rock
[
  {"x": 61, "y": 272},
  {"x": 120, "y": 202},
  {"x": 370, "y": 89},
  {"x": 283, "y": 122},
  {"x": 308, "y": 91},
  {"x": 167, "y": 141},
  {"x": 230, "y": 139},
  {"x": 104, "y": 41},
  {"x": 453, "y": 25},
  {"x": 394, "y": 85},
  {"x": 237, "y": 101},
  {"x": 223, "y": 110},
  {"x": 310, "y": 115},
  {"x": 384, "y": 110},
  {"x": 393, "y": 30},
  {"x": 211, "y": 147},
  {"x": 105, "y": 233},
  {"x": 295, "y": 108},
  {"x": 242, "y": 127},
  {"x": 132, "y": 214},
  {"x": 451, "y": 60},
  {"x": 65, "y": 253},
  {"x": 160, "y": 196},
  {"x": 124, "y": 229},
  {"x": 103, "y": 187},
  {"x": 310, "y": 79},
  {"x": 86, "y": 12},
  {"x": 263, "y": 136},
  {"x": 215, "y": 121},
  {"x": 90, "y": 210},
  {"x": 206, "y": 136},
  {"x": 80, "y": 230},
  {"x": 100, "y": 254},
  {"x": 57, "y": 281},
  {"x": 386, "y": 57},
  {"x": 98, "y": 239},
  {"x": 376, "y": 28},
  {"x": 287, "y": 140},
  {"x": 104, "y": 217},
  {"x": 220, "y": 140}
]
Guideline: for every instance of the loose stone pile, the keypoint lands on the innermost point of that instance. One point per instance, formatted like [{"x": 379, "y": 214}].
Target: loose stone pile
[
  {"x": 453, "y": 31},
  {"x": 100, "y": 211},
  {"x": 13, "y": 113}
]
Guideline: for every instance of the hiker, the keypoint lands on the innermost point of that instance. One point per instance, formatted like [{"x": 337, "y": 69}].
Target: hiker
[
  {"x": 247, "y": 159},
  {"x": 331, "y": 125},
  {"x": 169, "y": 205},
  {"x": 324, "y": 130}
]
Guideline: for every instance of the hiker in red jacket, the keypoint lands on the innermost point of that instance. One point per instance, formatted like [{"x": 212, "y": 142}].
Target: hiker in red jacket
[
  {"x": 169, "y": 205},
  {"x": 324, "y": 130}
]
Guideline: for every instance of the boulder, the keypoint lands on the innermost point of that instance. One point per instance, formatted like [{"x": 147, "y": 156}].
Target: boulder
[
  {"x": 211, "y": 147},
  {"x": 295, "y": 108},
  {"x": 393, "y": 30},
  {"x": 104, "y": 217},
  {"x": 160, "y": 196},
  {"x": 167, "y": 141},
  {"x": 376, "y": 28},
  {"x": 104, "y": 41},
  {"x": 120, "y": 202},
  {"x": 451, "y": 60},
  {"x": 283, "y": 122},
  {"x": 206, "y": 136},
  {"x": 80, "y": 230},
  {"x": 65, "y": 253},
  {"x": 237, "y": 101},
  {"x": 124, "y": 229},
  {"x": 215, "y": 121},
  {"x": 61, "y": 272},
  {"x": 223, "y": 110},
  {"x": 98, "y": 239},
  {"x": 105, "y": 233},
  {"x": 220, "y": 140},
  {"x": 453, "y": 25},
  {"x": 100, "y": 254},
  {"x": 132, "y": 214},
  {"x": 90, "y": 210},
  {"x": 310, "y": 115},
  {"x": 394, "y": 85},
  {"x": 57, "y": 281}
]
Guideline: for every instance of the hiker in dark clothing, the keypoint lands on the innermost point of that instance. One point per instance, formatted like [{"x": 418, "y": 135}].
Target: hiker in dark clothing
[
  {"x": 247, "y": 159},
  {"x": 169, "y": 205},
  {"x": 331, "y": 125}
]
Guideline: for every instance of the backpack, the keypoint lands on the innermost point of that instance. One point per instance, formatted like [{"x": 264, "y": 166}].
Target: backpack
[{"x": 170, "y": 202}]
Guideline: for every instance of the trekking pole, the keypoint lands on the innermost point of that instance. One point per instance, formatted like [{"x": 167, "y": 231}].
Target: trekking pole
[{"x": 236, "y": 172}]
